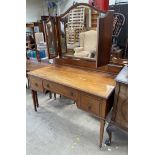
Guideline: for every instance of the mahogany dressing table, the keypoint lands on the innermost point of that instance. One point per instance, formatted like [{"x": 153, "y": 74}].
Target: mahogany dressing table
[
  {"x": 92, "y": 91},
  {"x": 86, "y": 77}
]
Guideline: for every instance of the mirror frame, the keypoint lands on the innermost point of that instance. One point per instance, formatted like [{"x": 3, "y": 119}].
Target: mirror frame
[
  {"x": 60, "y": 20},
  {"x": 103, "y": 22},
  {"x": 103, "y": 50},
  {"x": 54, "y": 31}
]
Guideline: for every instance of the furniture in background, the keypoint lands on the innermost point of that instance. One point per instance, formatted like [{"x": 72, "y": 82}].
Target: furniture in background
[
  {"x": 94, "y": 17},
  {"x": 119, "y": 118},
  {"x": 122, "y": 62},
  {"x": 32, "y": 28},
  {"x": 35, "y": 32},
  {"x": 121, "y": 39},
  {"x": 118, "y": 23},
  {"x": 75, "y": 25},
  {"x": 39, "y": 37},
  {"x": 88, "y": 44}
]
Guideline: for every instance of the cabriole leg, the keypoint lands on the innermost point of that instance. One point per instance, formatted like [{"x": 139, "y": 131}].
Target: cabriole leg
[{"x": 109, "y": 131}]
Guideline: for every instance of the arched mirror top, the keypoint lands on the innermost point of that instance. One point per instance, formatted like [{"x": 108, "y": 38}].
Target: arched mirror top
[
  {"x": 79, "y": 31},
  {"x": 81, "y": 5}
]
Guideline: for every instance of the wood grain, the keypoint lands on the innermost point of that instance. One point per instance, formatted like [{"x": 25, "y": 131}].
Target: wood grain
[
  {"x": 96, "y": 83},
  {"x": 104, "y": 39}
]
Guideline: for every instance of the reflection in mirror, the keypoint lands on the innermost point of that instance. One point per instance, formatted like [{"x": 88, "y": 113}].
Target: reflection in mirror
[
  {"x": 50, "y": 32},
  {"x": 62, "y": 37},
  {"x": 81, "y": 32}
]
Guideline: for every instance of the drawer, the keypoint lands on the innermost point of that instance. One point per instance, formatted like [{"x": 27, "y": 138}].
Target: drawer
[
  {"x": 60, "y": 89},
  {"x": 90, "y": 104},
  {"x": 36, "y": 84}
]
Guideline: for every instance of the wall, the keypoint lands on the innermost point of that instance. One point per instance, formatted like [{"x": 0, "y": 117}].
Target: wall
[{"x": 35, "y": 9}]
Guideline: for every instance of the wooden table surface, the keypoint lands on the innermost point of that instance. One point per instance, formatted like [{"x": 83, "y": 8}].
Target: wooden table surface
[{"x": 96, "y": 83}]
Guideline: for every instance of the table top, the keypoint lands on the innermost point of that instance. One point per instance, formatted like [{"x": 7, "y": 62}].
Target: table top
[{"x": 96, "y": 83}]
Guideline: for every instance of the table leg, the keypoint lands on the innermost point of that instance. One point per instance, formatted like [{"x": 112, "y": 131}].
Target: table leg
[
  {"x": 55, "y": 96},
  {"x": 102, "y": 123},
  {"x": 34, "y": 99},
  {"x": 28, "y": 83},
  {"x": 50, "y": 94}
]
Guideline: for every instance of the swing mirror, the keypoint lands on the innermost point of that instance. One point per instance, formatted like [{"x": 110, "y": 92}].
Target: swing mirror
[
  {"x": 50, "y": 35},
  {"x": 78, "y": 32}
]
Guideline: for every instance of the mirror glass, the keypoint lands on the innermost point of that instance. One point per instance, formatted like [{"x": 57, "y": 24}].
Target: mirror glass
[
  {"x": 79, "y": 33},
  {"x": 63, "y": 36},
  {"x": 50, "y": 35}
]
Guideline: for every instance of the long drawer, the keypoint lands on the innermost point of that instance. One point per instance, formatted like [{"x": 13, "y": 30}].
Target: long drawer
[{"x": 60, "y": 89}]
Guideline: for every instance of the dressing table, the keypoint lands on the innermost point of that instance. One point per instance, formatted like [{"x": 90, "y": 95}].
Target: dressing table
[
  {"x": 88, "y": 80},
  {"x": 92, "y": 91}
]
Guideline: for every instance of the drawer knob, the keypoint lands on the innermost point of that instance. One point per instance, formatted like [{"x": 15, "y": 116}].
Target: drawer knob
[
  {"x": 36, "y": 84},
  {"x": 48, "y": 85}
]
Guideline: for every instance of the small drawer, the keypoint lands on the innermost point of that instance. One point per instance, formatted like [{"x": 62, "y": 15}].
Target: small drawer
[
  {"x": 36, "y": 84},
  {"x": 90, "y": 104},
  {"x": 60, "y": 89}
]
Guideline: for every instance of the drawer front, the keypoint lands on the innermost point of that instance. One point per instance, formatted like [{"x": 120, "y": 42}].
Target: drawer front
[
  {"x": 60, "y": 89},
  {"x": 90, "y": 104},
  {"x": 36, "y": 84}
]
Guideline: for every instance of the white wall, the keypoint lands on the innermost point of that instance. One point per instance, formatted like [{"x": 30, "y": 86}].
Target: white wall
[{"x": 35, "y": 9}]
